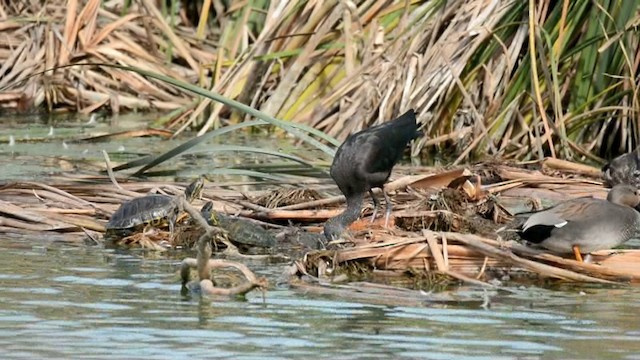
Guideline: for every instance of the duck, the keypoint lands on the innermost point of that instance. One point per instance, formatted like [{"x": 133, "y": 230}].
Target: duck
[
  {"x": 584, "y": 225},
  {"x": 363, "y": 162},
  {"x": 624, "y": 169}
]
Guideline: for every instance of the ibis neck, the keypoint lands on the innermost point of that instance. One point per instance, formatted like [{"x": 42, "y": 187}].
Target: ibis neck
[
  {"x": 335, "y": 226},
  {"x": 352, "y": 212}
]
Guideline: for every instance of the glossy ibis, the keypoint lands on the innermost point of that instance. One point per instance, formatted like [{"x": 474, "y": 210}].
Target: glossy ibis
[{"x": 363, "y": 162}]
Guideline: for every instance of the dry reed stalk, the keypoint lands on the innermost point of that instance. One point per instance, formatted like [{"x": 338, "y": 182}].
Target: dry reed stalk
[
  {"x": 616, "y": 264},
  {"x": 468, "y": 267},
  {"x": 72, "y": 207},
  {"x": 465, "y": 65},
  {"x": 475, "y": 253},
  {"x": 407, "y": 253},
  {"x": 315, "y": 203},
  {"x": 275, "y": 214},
  {"x": 540, "y": 268},
  {"x": 417, "y": 181},
  {"x": 563, "y": 165},
  {"x": 24, "y": 219},
  {"x": 557, "y": 192},
  {"x": 94, "y": 33},
  {"x": 435, "y": 251}
]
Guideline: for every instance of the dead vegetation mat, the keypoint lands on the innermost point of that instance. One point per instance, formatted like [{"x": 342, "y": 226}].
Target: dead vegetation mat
[{"x": 444, "y": 224}]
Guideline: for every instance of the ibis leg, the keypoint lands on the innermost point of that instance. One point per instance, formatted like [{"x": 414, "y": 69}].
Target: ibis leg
[
  {"x": 172, "y": 219},
  {"x": 388, "y": 206},
  {"x": 376, "y": 205},
  {"x": 576, "y": 252}
]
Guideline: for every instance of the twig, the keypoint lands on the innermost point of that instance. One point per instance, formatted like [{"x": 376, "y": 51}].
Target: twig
[
  {"x": 314, "y": 203},
  {"x": 559, "y": 164},
  {"x": 208, "y": 288},
  {"x": 435, "y": 250},
  {"x": 60, "y": 192},
  {"x": 543, "y": 269},
  {"x": 209, "y": 230},
  {"x": 110, "y": 170},
  {"x": 204, "y": 265}
]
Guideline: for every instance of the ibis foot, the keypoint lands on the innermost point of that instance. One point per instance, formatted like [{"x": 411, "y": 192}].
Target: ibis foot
[
  {"x": 376, "y": 205},
  {"x": 388, "y": 208}
]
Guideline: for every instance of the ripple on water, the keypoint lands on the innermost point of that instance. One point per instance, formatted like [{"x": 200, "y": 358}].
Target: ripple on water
[
  {"x": 78, "y": 280},
  {"x": 70, "y": 304},
  {"x": 33, "y": 290},
  {"x": 430, "y": 342},
  {"x": 12, "y": 316},
  {"x": 479, "y": 313},
  {"x": 118, "y": 304},
  {"x": 12, "y": 277},
  {"x": 89, "y": 270},
  {"x": 156, "y": 286},
  {"x": 259, "y": 322}
]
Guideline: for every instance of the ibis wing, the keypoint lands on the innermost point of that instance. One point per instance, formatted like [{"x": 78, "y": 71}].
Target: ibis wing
[{"x": 378, "y": 157}]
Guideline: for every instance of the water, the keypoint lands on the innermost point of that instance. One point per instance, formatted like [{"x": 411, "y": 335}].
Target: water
[
  {"x": 66, "y": 302},
  {"x": 31, "y": 148}
]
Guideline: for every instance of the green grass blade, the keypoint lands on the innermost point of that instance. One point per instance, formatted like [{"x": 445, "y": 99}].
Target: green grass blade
[
  {"x": 250, "y": 149},
  {"x": 291, "y": 128},
  {"x": 153, "y": 161}
]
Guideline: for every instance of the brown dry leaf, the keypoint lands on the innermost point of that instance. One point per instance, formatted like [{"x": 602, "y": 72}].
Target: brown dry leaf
[
  {"x": 69, "y": 35},
  {"x": 87, "y": 19},
  {"x": 107, "y": 30}
]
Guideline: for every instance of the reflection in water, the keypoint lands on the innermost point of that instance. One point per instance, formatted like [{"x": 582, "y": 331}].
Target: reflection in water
[
  {"x": 65, "y": 302},
  {"x": 35, "y": 153}
]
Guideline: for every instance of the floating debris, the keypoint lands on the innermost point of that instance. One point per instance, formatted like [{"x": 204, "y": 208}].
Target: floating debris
[{"x": 286, "y": 197}]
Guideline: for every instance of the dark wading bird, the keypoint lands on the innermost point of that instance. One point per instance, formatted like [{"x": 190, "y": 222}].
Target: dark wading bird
[
  {"x": 363, "y": 162},
  {"x": 586, "y": 224}
]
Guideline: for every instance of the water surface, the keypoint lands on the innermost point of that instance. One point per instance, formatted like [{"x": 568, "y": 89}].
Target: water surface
[{"x": 60, "y": 301}]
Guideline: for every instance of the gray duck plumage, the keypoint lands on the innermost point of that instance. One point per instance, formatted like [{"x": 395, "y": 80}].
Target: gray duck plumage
[
  {"x": 584, "y": 225},
  {"x": 624, "y": 169}
]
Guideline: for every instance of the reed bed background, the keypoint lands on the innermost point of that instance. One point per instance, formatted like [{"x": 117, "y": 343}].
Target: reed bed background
[{"x": 512, "y": 79}]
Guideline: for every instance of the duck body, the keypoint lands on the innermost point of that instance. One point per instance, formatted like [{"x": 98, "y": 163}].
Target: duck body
[
  {"x": 586, "y": 224},
  {"x": 580, "y": 222},
  {"x": 624, "y": 169}
]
